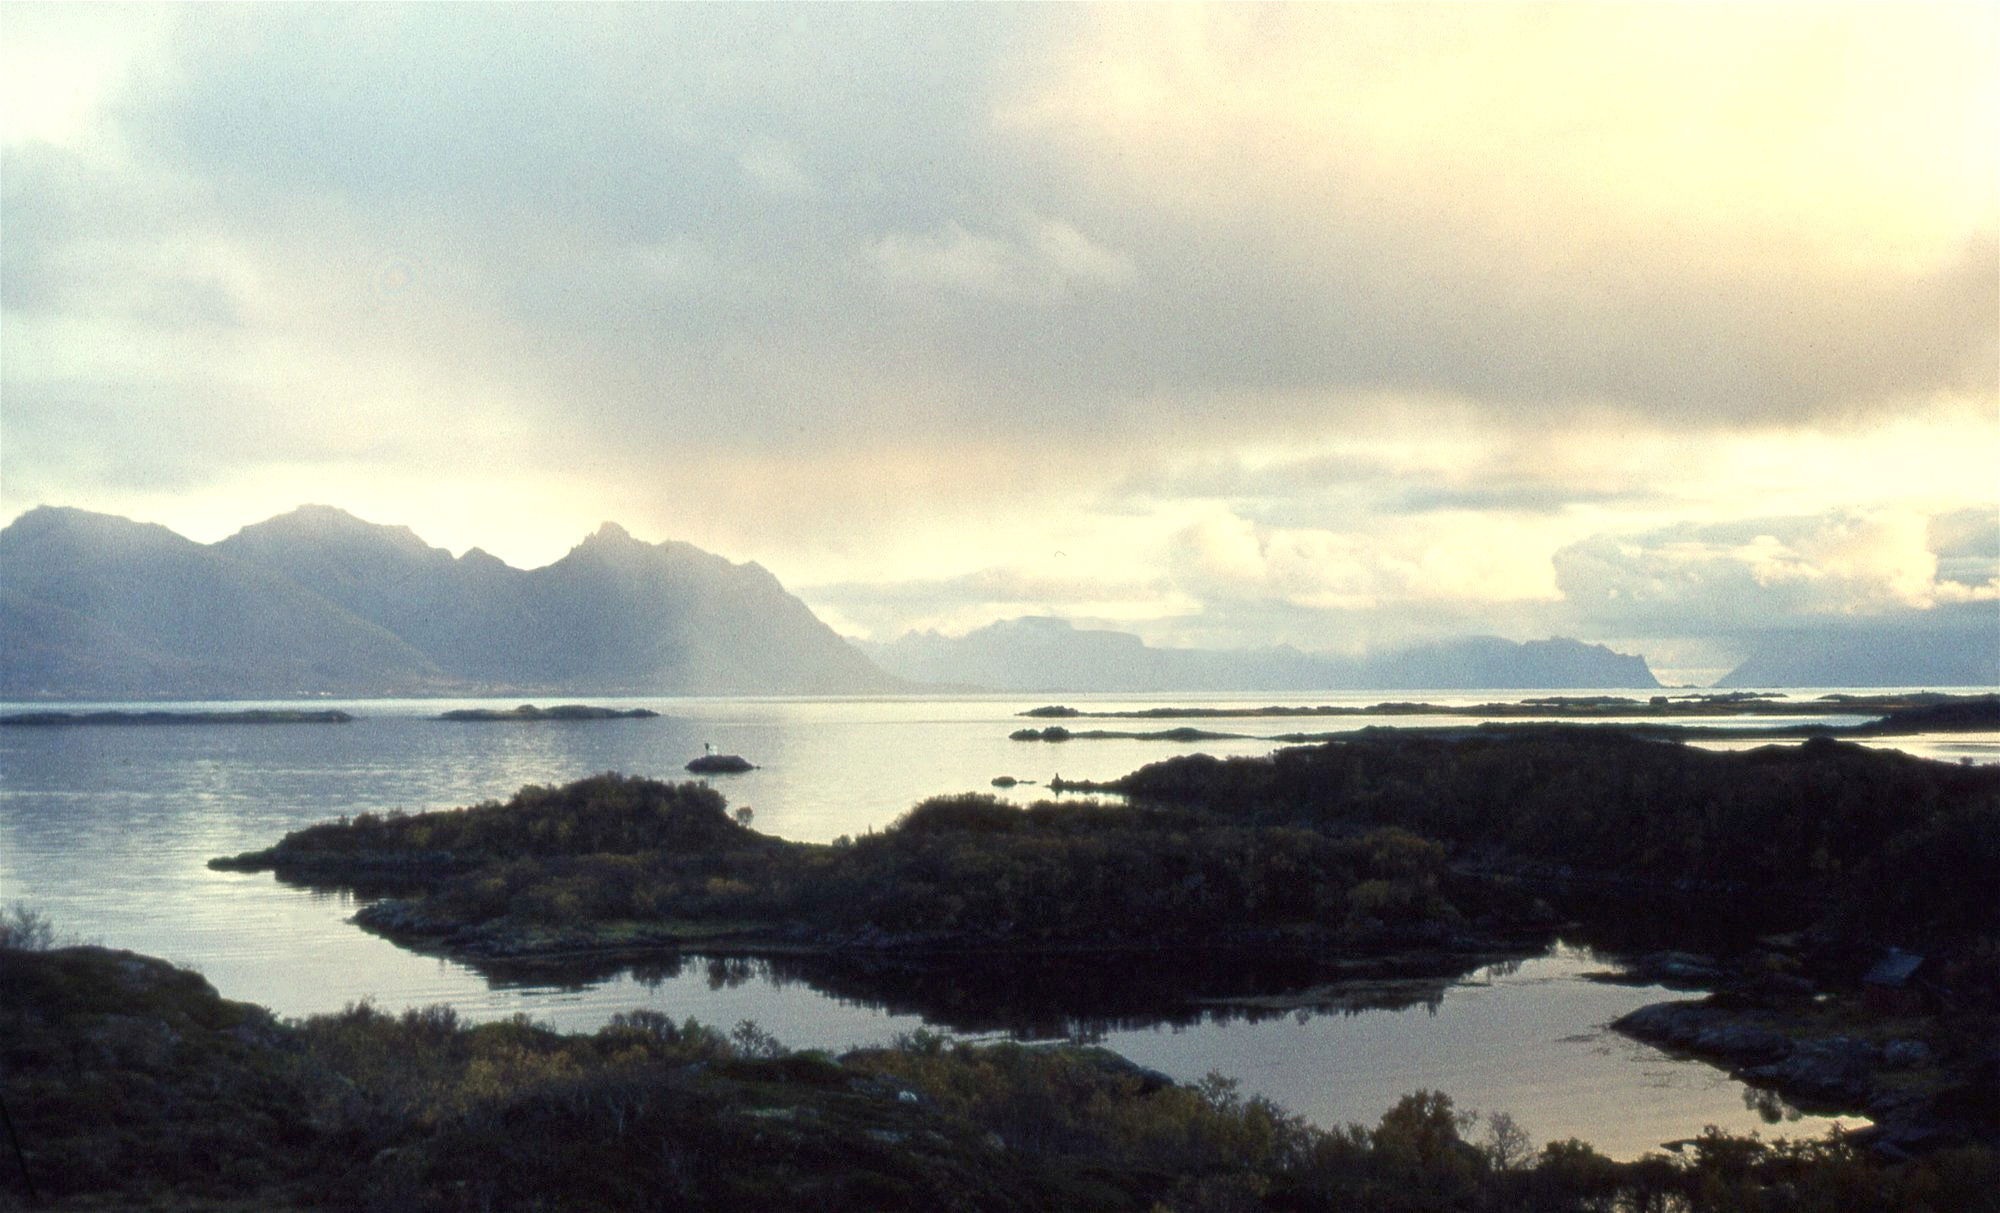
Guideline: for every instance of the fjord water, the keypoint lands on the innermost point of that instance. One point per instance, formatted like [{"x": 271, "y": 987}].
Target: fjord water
[{"x": 108, "y": 830}]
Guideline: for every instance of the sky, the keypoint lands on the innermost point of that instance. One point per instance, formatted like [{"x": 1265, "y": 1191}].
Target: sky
[{"x": 1344, "y": 326}]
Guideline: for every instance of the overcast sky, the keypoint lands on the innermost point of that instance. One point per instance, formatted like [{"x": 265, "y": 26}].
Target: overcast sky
[{"x": 1342, "y": 325}]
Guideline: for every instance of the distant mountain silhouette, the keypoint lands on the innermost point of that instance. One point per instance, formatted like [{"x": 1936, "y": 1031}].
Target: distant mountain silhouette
[
  {"x": 1948, "y": 646},
  {"x": 95, "y": 606},
  {"x": 318, "y": 601},
  {"x": 1036, "y": 653}
]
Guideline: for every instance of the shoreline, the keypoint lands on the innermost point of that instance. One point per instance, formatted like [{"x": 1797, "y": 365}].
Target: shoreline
[{"x": 149, "y": 1089}]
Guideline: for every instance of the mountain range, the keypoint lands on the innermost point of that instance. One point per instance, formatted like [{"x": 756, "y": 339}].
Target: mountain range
[
  {"x": 1043, "y": 654},
  {"x": 1954, "y": 645},
  {"x": 320, "y": 602}
]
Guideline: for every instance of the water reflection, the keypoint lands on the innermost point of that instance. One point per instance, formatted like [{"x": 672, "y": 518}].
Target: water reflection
[
  {"x": 1525, "y": 1035},
  {"x": 1092, "y": 995}
]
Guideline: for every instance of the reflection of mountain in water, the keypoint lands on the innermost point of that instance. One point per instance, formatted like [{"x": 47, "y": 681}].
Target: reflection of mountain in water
[{"x": 1039, "y": 996}]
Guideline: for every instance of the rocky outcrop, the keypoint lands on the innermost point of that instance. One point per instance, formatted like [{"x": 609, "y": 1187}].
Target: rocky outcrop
[{"x": 1894, "y": 1082}]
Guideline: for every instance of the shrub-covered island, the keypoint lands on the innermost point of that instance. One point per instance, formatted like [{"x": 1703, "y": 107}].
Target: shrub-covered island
[{"x": 616, "y": 861}]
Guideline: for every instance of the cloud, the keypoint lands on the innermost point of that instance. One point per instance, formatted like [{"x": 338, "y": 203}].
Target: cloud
[
  {"x": 1314, "y": 218},
  {"x": 1749, "y": 577},
  {"x": 771, "y": 166},
  {"x": 1720, "y": 214},
  {"x": 1967, "y": 544},
  {"x": 1232, "y": 558},
  {"x": 1045, "y": 263},
  {"x": 883, "y": 610}
]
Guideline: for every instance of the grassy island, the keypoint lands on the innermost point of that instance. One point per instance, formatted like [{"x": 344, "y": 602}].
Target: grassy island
[
  {"x": 249, "y": 716},
  {"x": 131, "y": 1084},
  {"x": 562, "y": 711}
]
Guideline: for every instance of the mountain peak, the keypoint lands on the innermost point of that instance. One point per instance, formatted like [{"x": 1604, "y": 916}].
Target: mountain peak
[
  {"x": 68, "y": 523},
  {"x": 612, "y": 541},
  {"x": 316, "y": 512},
  {"x": 315, "y": 519},
  {"x": 480, "y": 558},
  {"x": 317, "y": 525}
]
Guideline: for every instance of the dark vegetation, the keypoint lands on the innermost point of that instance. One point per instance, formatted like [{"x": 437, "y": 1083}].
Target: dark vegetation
[
  {"x": 1877, "y": 843},
  {"x": 607, "y": 815},
  {"x": 618, "y": 853},
  {"x": 130, "y": 1084},
  {"x": 562, "y": 711},
  {"x": 720, "y": 764},
  {"x": 252, "y": 716}
]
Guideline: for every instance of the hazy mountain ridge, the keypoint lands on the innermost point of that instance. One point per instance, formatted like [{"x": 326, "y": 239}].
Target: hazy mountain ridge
[
  {"x": 1955, "y": 645},
  {"x": 317, "y": 601},
  {"x": 1036, "y": 653}
]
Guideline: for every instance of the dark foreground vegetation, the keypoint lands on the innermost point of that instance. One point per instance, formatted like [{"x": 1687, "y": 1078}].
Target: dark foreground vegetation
[
  {"x": 248, "y": 716},
  {"x": 130, "y": 1084}
]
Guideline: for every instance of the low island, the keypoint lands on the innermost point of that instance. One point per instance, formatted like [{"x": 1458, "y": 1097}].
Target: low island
[
  {"x": 119, "y": 717},
  {"x": 1894, "y": 716},
  {"x": 1933, "y": 709},
  {"x": 564, "y": 711}
]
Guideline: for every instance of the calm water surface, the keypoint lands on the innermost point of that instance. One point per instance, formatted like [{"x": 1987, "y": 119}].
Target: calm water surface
[{"x": 108, "y": 830}]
